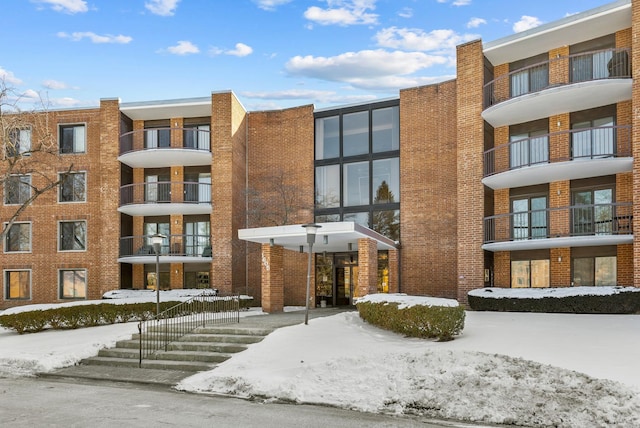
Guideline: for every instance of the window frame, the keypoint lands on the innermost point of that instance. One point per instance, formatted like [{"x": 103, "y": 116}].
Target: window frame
[
  {"x": 61, "y": 237},
  {"x": 61, "y": 283},
  {"x": 61, "y": 140},
  {"x": 6, "y": 240},
  {"x": 60, "y": 190},
  {"x": 5, "y": 283},
  {"x": 22, "y": 183},
  {"x": 12, "y": 139}
]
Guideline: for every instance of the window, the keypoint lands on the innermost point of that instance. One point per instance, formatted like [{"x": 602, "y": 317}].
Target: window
[
  {"x": 529, "y": 220},
  {"x": 361, "y": 218},
  {"x": 328, "y": 186},
  {"x": 355, "y": 133},
  {"x": 530, "y": 273},
  {"x": 385, "y": 129},
  {"x": 73, "y": 188},
  {"x": 197, "y": 187},
  {"x": 592, "y": 211},
  {"x": 197, "y": 137},
  {"x": 19, "y": 142},
  {"x": 73, "y": 236},
  {"x": 157, "y": 187},
  {"x": 198, "y": 279},
  {"x": 529, "y": 75},
  {"x": 17, "y": 189},
  {"x": 157, "y": 138},
  {"x": 198, "y": 238},
  {"x": 387, "y": 223},
  {"x": 152, "y": 228},
  {"x": 588, "y": 271},
  {"x": 327, "y": 138},
  {"x": 17, "y": 284},
  {"x": 18, "y": 238},
  {"x": 596, "y": 140},
  {"x": 356, "y": 184},
  {"x": 72, "y": 139},
  {"x": 386, "y": 181},
  {"x": 528, "y": 148},
  {"x": 589, "y": 60},
  {"x": 73, "y": 284}
]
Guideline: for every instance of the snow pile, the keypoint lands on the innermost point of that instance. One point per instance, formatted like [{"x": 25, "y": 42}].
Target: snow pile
[
  {"x": 405, "y": 301},
  {"x": 541, "y": 293},
  {"x": 344, "y": 362}
]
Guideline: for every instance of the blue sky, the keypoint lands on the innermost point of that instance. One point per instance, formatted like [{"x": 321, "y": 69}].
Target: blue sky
[{"x": 271, "y": 53}]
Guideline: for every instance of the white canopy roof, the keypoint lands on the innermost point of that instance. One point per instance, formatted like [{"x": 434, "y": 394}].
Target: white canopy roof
[{"x": 338, "y": 236}]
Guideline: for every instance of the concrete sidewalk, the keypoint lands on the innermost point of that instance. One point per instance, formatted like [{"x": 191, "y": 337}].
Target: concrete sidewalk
[{"x": 169, "y": 378}]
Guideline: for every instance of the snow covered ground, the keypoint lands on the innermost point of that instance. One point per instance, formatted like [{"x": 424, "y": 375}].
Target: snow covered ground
[{"x": 527, "y": 369}]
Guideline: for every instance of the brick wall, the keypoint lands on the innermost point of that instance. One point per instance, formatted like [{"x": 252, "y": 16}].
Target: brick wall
[{"x": 635, "y": 63}]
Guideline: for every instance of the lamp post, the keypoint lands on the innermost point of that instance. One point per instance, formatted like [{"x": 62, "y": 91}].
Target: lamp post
[
  {"x": 156, "y": 241},
  {"x": 311, "y": 228}
]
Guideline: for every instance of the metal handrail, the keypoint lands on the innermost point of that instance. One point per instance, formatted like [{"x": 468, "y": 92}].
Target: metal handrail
[
  {"x": 616, "y": 66},
  {"x": 172, "y": 324},
  {"x": 189, "y": 192},
  {"x": 537, "y": 150},
  {"x": 133, "y": 141},
  {"x": 576, "y": 220},
  {"x": 173, "y": 245}
]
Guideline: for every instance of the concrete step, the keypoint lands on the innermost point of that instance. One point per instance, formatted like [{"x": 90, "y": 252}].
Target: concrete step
[
  {"x": 225, "y": 338},
  {"x": 190, "y": 366},
  {"x": 205, "y": 357},
  {"x": 200, "y": 343},
  {"x": 234, "y": 330},
  {"x": 229, "y": 348}
]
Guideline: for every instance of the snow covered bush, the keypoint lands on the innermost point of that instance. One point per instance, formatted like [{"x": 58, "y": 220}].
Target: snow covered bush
[
  {"x": 579, "y": 300},
  {"x": 413, "y": 316}
]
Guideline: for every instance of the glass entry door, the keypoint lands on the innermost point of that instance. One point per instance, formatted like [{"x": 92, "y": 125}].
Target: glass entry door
[{"x": 346, "y": 279}]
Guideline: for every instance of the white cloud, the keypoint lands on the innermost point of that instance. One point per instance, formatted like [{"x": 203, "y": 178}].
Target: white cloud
[
  {"x": 343, "y": 12},
  {"x": 406, "y": 12},
  {"x": 240, "y": 50},
  {"x": 95, "y": 38},
  {"x": 461, "y": 2},
  {"x": 162, "y": 7},
  {"x": 270, "y": 4},
  {"x": 476, "y": 22},
  {"x": 54, "y": 84},
  {"x": 65, "y": 102},
  {"x": 526, "y": 23},
  {"x": 440, "y": 41},
  {"x": 323, "y": 97},
  {"x": 183, "y": 47},
  {"x": 362, "y": 66},
  {"x": 66, "y": 6},
  {"x": 9, "y": 77}
]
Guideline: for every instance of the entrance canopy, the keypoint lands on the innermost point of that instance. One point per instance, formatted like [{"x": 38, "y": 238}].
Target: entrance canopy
[{"x": 333, "y": 237}]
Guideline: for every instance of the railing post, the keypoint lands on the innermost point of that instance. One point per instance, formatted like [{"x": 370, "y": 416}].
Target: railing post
[{"x": 140, "y": 342}]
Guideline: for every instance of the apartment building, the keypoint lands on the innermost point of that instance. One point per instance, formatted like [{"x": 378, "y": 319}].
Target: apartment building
[{"x": 518, "y": 173}]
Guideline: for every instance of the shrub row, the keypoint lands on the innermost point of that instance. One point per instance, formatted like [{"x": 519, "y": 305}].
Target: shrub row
[
  {"x": 621, "y": 303},
  {"x": 415, "y": 321}
]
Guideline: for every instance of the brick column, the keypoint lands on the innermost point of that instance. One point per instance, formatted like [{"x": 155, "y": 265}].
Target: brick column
[
  {"x": 394, "y": 270},
  {"x": 635, "y": 147},
  {"x": 367, "y": 267},
  {"x": 272, "y": 278},
  {"x": 176, "y": 132}
]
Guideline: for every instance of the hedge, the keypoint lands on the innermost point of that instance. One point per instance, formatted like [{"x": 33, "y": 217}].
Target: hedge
[{"x": 422, "y": 321}]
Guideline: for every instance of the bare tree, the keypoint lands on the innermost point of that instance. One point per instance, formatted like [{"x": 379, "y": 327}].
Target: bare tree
[
  {"x": 277, "y": 201},
  {"x": 29, "y": 157}
]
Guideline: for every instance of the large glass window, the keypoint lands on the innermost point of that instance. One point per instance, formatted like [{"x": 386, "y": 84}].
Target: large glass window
[
  {"x": 17, "y": 284},
  {"x": 532, "y": 79},
  {"x": 197, "y": 238},
  {"x": 328, "y": 186},
  {"x": 20, "y": 142},
  {"x": 327, "y": 138},
  {"x": 73, "y": 284},
  {"x": 387, "y": 223},
  {"x": 157, "y": 187},
  {"x": 152, "y": 228},
  {"x": 529, "y": 220},
  {"x": 73, "y": 236},
  {"x": 157, "y": 138},
  {"x": 385, "y": 129},
  {"x": 529, "y": 148},
  {"x": 355, "y": 184},
  {"x": 197, "y": 137},
  {"x": 362, "y": 218},
  {"x": 18, "y": 238},
  {"x": 72, "y": 139},
  {"x": 355, "y": 133},
  {"x": 530, "y": 273},
  {"x": 73, "y": 188},
  {"x": 197, "y": 187},
  {"x": 386, "y": 181},
  {"x": 596, "y": 140},
  {"x": 17, "y": 189},
  {"x": 592, "y": 211},
  {"x": 597, "y": 271}
]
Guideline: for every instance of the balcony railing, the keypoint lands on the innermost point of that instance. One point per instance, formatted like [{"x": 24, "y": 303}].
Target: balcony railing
[
  {"x": 165, "y": 138},
  {"x": 173, "y": 245},
  {"x": 577, "y": 220},
  {"x": 161, "y": 192},
  {"x": 595, "y": 65},
  {"x": 576, "y": 144}
]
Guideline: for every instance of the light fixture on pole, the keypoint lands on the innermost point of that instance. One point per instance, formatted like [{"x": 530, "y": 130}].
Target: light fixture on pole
[
  {"x": 156, "y": 241},
  {"x": 311, "y": 228}
]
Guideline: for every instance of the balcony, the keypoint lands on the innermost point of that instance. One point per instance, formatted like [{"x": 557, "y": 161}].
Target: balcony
[
  {"x": 175, "y": 249},
  {"x": 163, "y": 147},
  {"x": 574, "y": 226},
  {"x": 165, "y": 198},
  {"x": 565, "y": 155},
  {"x": 559, "y": 85}
]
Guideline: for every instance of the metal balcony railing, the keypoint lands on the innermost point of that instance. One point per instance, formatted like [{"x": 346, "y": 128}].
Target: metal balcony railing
[
  {"x": 612, "y": 63},
  {"x": 165, "y": 138},
  {"x": 577, "y": 220},
  {"x": 188, "y": 192},
  {"x": 562, "y": 146},
  {"x": 173, "y": 245}
]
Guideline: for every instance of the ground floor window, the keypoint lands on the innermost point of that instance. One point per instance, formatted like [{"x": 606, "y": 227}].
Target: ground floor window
[
  {"x": 196, "y": 279},
  {"x": 589, "y": 271},
  {"x": 17, "y": 284},
  {"x": 383, "y": 272},
  {"x": 530, "y": 273},
  {"x": 73, "y": 284},
  {"x": 151, "y": 279}
]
